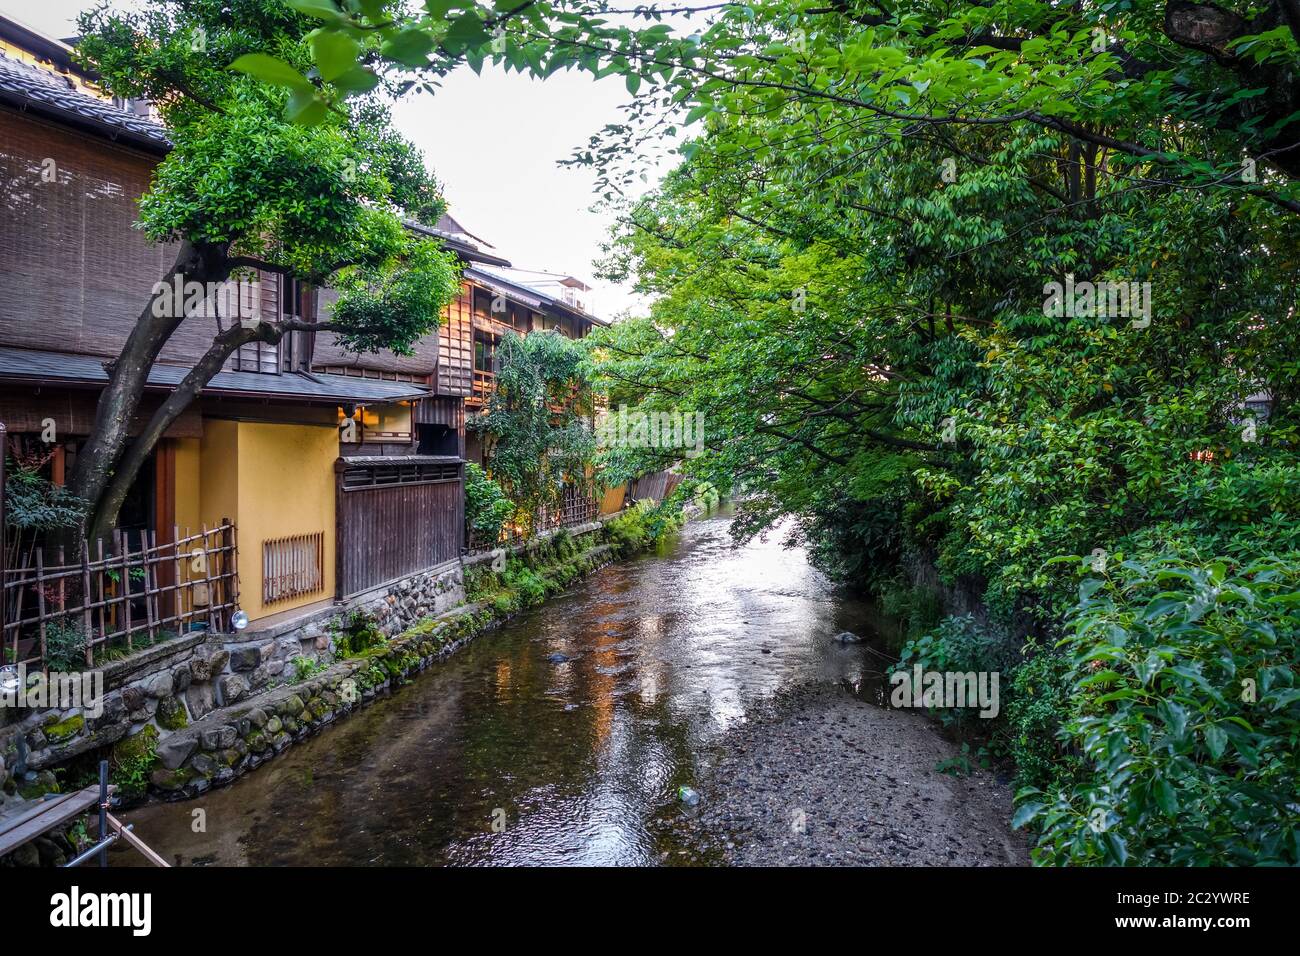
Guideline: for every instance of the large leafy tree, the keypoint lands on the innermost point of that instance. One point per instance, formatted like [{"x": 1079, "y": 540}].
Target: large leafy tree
[
  {"x": 537, "y": 428},
  {"x": 245, "y": 187},
  {"x": 851, "y": 265}
]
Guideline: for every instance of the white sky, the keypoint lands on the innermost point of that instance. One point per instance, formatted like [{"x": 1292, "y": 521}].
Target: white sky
[{"x": 493, "y": 142}]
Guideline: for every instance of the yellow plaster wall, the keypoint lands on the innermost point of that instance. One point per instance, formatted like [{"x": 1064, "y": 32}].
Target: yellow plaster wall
[
  {"x": 274, "y": 481},
  {"x": 218, "y": 473},
  {"x": 189, "y": 483},
  {"x": 286, "y": 487}
]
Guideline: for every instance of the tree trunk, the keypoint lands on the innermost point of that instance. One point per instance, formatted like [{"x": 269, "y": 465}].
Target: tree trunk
[
  {"x": 113, "y": 494},
  {"x": 129, "y": 372}
]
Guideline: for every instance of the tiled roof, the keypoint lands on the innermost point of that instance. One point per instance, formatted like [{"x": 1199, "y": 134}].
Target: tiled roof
[
  {"x": 31, "y": 87},
  {"x": 27, "y": 365},
  {"x": 458, "y": 244},
  {"x": 510, "y": 285}
]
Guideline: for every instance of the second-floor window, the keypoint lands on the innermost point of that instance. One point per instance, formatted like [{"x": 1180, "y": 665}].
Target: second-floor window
[
  {"x": 485, "y": 353},
  {"x": 297, "y": 300},
  {"x": 287, "y": 298}
]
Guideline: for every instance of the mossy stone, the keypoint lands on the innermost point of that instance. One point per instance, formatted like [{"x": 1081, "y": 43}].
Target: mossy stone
[
  {"x": 65, "y": 729},
  {"x": 171, "y": 714},
  {"x": 136, "y": 747},
  {"x": 171, "y": 780}
]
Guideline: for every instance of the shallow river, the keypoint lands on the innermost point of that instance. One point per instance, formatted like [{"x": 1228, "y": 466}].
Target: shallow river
[{"x": 501, "y": 756}]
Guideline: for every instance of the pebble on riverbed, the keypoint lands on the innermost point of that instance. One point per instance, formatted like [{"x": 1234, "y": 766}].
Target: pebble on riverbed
[{"x": 827, "y": 779}]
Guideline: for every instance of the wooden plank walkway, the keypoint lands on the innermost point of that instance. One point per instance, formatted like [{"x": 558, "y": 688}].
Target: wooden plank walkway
[{"x": 45, "y": 816}]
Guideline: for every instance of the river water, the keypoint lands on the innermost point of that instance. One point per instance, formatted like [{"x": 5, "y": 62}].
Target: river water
[{"x": 502, "y": 755}]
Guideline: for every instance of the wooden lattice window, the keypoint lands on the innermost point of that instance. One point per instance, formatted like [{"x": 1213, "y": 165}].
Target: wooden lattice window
[{"x": 292, "y": 566}]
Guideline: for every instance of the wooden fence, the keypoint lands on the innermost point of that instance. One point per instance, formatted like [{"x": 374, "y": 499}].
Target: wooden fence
[
  {"x": 576, "y": 507},
  {"x": 657, "y": 485},
  {"x": 396, "y": 515},
  {"x": 110, "y": 595}
]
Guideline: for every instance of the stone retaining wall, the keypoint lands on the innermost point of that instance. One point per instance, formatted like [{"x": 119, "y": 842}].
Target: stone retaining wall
[
  {"x": 164, "y": 689},
  {"x": 212, "y": 707}
]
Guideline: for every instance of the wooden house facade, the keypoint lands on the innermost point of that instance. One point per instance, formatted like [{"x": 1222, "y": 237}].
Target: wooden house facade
[{"x": 340, "y": 472}]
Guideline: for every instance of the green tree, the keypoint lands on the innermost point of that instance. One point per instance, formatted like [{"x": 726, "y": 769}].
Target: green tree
[
  {"x": 320, "y": 200},
  {"x": 537, "y": 426},
  {"x": 852, "y": 271}
]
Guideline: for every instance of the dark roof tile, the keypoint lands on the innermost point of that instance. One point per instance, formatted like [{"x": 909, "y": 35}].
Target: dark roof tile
[
  {"x": 30, "y": 365},
  {"x": 32, "y": 87}
]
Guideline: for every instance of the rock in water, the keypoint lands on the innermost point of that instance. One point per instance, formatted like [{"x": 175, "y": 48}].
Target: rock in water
[
  {"x": 689, "y": 796},
  {"x": 559, "y": 659},
  {"x": 847, "y": 637}
]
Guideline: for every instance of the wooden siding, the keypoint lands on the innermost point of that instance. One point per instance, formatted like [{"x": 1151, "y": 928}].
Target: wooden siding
[
  {"x": 456, "y": 346},
  {"x": 396, "y": 520},
  {"x": 328, "y": 353},
  {"x": 657, "y": 485},
  {"x": 445, "y": 410},
  {"x": 73, "y": 411},
  {"x": 255, "y": 356}
]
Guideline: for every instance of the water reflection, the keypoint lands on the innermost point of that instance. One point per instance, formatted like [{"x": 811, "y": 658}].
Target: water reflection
[{"x": 570, "y": 758}]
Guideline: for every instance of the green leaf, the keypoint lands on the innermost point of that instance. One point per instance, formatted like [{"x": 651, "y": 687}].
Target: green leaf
[
  {"x": 270, "y": 69},
  {"x": 1165, "y": 797},
  {"x": 1116, "y": 846},
  {"x": 334, "y": 53},
  {"x": 697, "y": 113},
  {"x": 1216, "y": 739},
  {"x": 466, "y": 30},
  {"x": 356, "y": 80},
  {"x": 1024, "y": 813},
  {"x": 306, "y": 107},
  {"x": 410, "y": 47},
  {"x": 321, "y": 9}
]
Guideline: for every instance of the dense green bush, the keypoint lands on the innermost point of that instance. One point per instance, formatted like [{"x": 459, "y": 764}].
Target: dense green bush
[
  {"x": 961, "y": 644},
  {"x": 642, "y": 524},
  {"x": 1038, "y": 705},
  {"x": 65, "y": 645},
  {"x": 957, "y": 644},
  {"x": 1187, "y": 713},
  {"x": 536, "y": 428},
  {"x": 486, "y": 506},
  {"x": 526, "y": 582},
  {"x": 360, "y": 632}
]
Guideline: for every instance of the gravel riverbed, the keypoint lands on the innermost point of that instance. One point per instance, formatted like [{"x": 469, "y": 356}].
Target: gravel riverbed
[{"x": 824, "y": 778}]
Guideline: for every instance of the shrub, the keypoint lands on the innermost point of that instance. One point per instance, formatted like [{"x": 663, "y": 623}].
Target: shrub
[
  {"x": 65, "y": 645},
  {"x": 133, "y": 760},
  {"x": 486, "y": 505},
  {"x": 305, "y": 667},
  {"x": 360, "y": 633},
  {"x": 642, "y": 524},
  {"x": 918, "y": 608},
  {"x": 1038, "y": 705},
  {"x": 958, "y": 644},
  {"x": 530, "y": 586},
  {"x": 1187, "y": 713}
]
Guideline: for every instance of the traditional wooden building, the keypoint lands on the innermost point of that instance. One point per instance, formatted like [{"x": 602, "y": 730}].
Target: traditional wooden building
[{"x": 340, "y": 472}]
